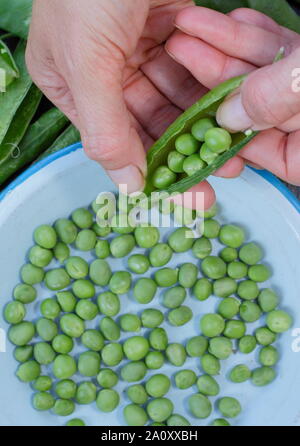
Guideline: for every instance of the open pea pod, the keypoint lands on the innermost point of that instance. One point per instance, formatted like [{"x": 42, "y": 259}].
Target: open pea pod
[
  {"x": 8, "y": 67},
  {"x": 207, "y": 106}
]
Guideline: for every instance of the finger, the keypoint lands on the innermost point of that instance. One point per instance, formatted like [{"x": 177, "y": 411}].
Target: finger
[
  {"x": 268, "y": 97},
  {"x": 218, "y": 67},
  {"x": 231, "y": 169},
  {"x": 200, "y": 197},
  {"x": 276, "y": 152},
  {"x": 146, "y": 139},
  {"x": 234, "y": 38},
  {"x": 152, "y": 110},
  {"x": 173, "y": 80}
]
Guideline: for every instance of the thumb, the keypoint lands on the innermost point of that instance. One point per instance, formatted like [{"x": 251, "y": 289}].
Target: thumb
[
  {"x": 269, "y": 97},
  {"x": 107, "y": 131}
]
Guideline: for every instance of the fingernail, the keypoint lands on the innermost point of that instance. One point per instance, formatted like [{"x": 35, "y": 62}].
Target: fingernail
[
  {"x": 232, "y": 116},
  {"x": 129, "y": 179},
  {"x": 171, "y": 54}
]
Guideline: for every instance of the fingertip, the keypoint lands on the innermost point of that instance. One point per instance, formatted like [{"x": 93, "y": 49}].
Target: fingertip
[
  {"x": 232, "y": 169},
  {"x": 200, "y": 197}
]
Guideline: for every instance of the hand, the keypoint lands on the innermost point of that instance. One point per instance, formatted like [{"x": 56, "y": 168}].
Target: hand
[{"x": 215, "y": 47}]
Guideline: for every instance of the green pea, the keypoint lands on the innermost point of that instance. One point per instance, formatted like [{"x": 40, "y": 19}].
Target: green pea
[
  {"x": 86, "y": 310},
  {"x": 57, "y": 279},
  {"x": 186, "y": 144},
  {"x": 163, "y": 177},
  {"x": 225, "y": 287},
  {"x": 43, "y": 401},
  {"x": 259, "y": 273},
  {"x": 136, "y": 348},
  {"x": 229, "y": 407},
  {"x": 61, "y": 252},
  {"x": 108, "y": 303},
  {"x": 250, "y": 254},
  {"x": 177, "y": 420},
  {"x": 89, "y": 363},
  {"x": 50, "y": 308},
  {"x": 232, "y": 236},
  {"x": 200, "y": 128},
  {"x": 240, "y": 373},
  {"x": 43, "y": 353},
  {"x": 250, "y": 311},
  {"x": 268, "y": 300},
  {"x": 174, "y": 297},
  {"x": 181, "y": 240},
  {"x": 86, "y": 393},
  {"x": 25, "y": 293},
  {"x": 175, "y": 161},
  {"x": 220, "y": 347},
  {"x": 152, "y": 318},
  {"x": 72, "y": 325},
  {"x": 138, "y": 263},
  {"x": 14, "y": 312},
  {"x": 229, "y": 254},
  {"x": 93, "y": 340},
  {"x": 192, "y": 164},
  {"x": 213, "y": 267},
  {"x": 28, "y": 371},
  {"x": 158, "y": 385},
  {"x": 82, "y": 218},
  {"x": 66, "y": 230},
  {"x": 160, "y": 255},
  {"x": 120, "y": 282},
  {"x": 66, "y": 300},
  {"x": 180, "y": 316},
  {"x": 220, "y": 422},
  {"x": 110, "y": 329},
  {"x": 207, "y": 385},
  {"x": 200, "y": 406},
  {"x": 102, "y": 249},
  {"x": 264, "y": 336},
  {"x": 46, "y": 329},
  {"x": 40, "y": 257},
  {"x": 77, "y": 268},
  {"x": 63, "y": 407},
  {"x": 86, "y": 240},
  {"x": 100, "y": 272},
  {"x": 210, "y": 364},
  {"x": 158, "y": 339},
  {"x": 237, "y": 270},
  {"x": 135, "y": 415},
  {"x": 203, "y": 289},
  {"x": 146, "y": 236},
  {"x": 160, "y": 409},
  {"x": 166, "y": 277},
  {"x": 207, "y": 155},
  {"x": 154, "y": 360},
  {"x": 263, "y": 376},
  {"x": 112, "y": 354},
  {"x": 45, "y": 236},
  {"x": 122, "y": 245},
  {"x": 248, "y": 290},
  {"x": 218, "y": 140},
  {"x": 144, "y": 290},
  {"x": 229, "y": 307},
  {"x": 137, "y": 394},
  {"x": 247, "y": 344},
  {"x": 130, "y": 323},
  {"x": 101, "y": 231},
  {"x": 268, "y": 356},
  {"x": 62, "y": 344},
  {"x": 279, "y": 321},
  {"x": 187, "y": 275},
  {"x": 83, "y": 289},
  {"x": 32, "y": 274},
  {"x": 202, "y": 248},
  {"x": 185, "y": 379},
  {"x": 211, "y": 228},
  {"x": 75, "y": 422},
  {"x": 42, "y": 383},
  {"x": 66, "y": 389},
  {"x": 196, "y": 346},
  {"x": 212, "y": 325},
  {"x": 234, "y": 329},
  {"x": 176, "y": 354},
  {"x": 64, "y": 366},
  {"x": 23, "y": 353},
  {"x": 133, "y": 371},
  {"x": 107, "y": 378}
]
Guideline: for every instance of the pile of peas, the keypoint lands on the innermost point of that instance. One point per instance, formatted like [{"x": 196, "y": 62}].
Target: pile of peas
[
  {"x": 193, "y": 152},
  {"x": 80, "y": 292}
]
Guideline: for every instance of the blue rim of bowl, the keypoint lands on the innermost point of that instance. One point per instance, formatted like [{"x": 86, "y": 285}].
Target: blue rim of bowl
[{"x": 67, "y": 150}]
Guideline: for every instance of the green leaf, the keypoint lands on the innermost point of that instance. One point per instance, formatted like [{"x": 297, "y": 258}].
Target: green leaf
[
  {"x": 222, "y": 5},
  {"x": 8, "y": 68},
  {"x": 278, "y": 10},
  {"x": 15, "y": 16}
]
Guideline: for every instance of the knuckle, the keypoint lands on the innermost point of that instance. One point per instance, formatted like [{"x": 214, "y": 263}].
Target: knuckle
[{"x": 101, "y": 149}]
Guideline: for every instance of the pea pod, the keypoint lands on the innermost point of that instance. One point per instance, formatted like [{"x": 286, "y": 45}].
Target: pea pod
[
  {"x": 37, "y": 138},
  {"x": 7, "y": 66},
  {"x": 207, "y": 106},
  {"x": 224, "y": 6},
  {"x": 69, "y": 136},
  {"x": 15, "y": 16}
]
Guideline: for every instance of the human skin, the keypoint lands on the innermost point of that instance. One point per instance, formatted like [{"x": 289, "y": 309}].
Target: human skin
[{"x": 109, "y": 69}]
